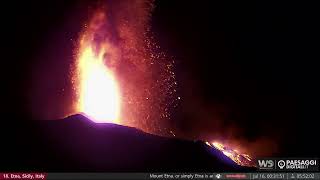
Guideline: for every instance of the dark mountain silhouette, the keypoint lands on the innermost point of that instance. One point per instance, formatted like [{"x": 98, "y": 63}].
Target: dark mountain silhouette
[{"x": 78, "y": 144}]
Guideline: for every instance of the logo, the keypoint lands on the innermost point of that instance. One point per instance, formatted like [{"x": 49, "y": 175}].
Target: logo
[
  {"x": 218, "y": 176},
  {"x": 281, "y": 164},
  {"x": 288, "y": 164},
  {"x": 301, "y": 164},
  {"x": 265, "y": 164}
]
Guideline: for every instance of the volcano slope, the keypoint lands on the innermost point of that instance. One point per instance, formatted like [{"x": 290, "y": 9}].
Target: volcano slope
[{"x": 77, "y": 144}]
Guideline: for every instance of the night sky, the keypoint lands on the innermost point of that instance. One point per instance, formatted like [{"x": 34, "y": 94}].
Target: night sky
[{"x": 245, "y": 70}]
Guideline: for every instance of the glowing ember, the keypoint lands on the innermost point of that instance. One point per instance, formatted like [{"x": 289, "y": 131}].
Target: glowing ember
[
  {"x": 235, "y": 155},
  {"x": 98, "y": 91}
]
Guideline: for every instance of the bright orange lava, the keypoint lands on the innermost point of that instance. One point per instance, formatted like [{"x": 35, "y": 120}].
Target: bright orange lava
[
  {"x": 236, "y": 156},
  {"x": 98, "y": 92}
]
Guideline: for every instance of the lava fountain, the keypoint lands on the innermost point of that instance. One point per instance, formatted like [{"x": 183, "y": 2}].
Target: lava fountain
[
  {"x": 120, "y": 74},
  {"x": 98, "y": 91}
]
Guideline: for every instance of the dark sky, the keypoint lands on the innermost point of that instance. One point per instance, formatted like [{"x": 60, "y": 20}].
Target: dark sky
[{"x": 244, "y": 69}]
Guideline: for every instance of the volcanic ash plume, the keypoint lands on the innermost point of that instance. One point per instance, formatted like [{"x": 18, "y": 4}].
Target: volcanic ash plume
[{"x": 121, "y": 75}]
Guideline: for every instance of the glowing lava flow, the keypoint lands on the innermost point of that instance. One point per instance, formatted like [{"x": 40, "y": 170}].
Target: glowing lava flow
[
  {"x": 98, "y": 91},
  {"x": 236, "y": 156}
]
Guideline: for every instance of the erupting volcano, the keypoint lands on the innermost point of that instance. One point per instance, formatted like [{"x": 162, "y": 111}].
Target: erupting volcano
[
  {"x": 122, "y": 77},
  {"x": 157, "y": 86}
]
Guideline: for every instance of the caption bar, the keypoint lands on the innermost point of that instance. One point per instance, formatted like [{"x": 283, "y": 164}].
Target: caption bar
[{"x": 158, "y": 176}]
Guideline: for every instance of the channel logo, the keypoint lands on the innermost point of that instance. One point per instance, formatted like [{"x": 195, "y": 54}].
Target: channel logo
[
  {"x": 266, "y": 164},
  {"x": 288, "y": 164},
  {"x": 281, "y": 164}
]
